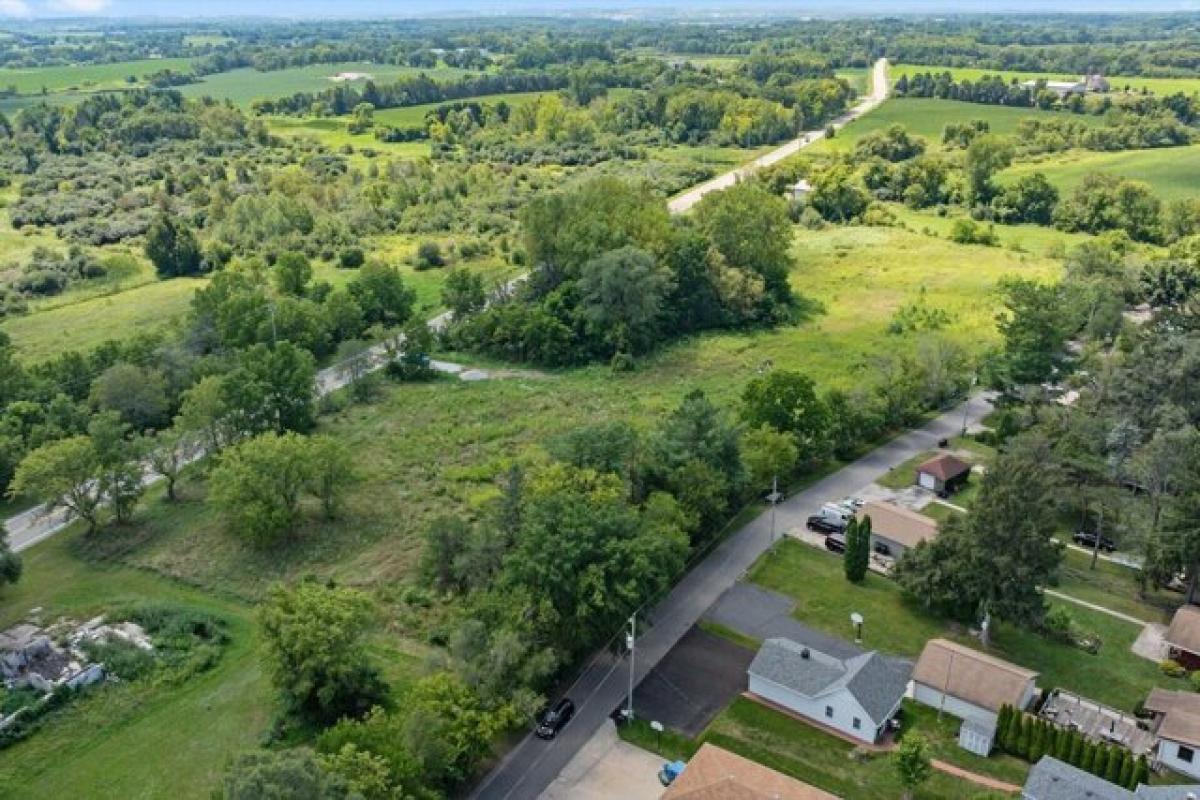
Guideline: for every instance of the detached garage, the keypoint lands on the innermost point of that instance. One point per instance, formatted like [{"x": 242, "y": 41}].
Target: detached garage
[{"x": 943, "y": 474}]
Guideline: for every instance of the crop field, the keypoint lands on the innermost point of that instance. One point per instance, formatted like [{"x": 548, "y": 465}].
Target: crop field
[
  {"x": 1173, "y": 172},
  {"x": 1118, "y": 83},
  {"x": 91, "y": 77},
  {"x": 929, "y": 117},
  {"x": 243, "y": 86}
]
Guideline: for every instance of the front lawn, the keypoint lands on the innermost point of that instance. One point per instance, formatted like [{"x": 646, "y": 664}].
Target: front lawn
[
  {"x": 1114, "y": 586},
  {"x": 825, "y": 600}
]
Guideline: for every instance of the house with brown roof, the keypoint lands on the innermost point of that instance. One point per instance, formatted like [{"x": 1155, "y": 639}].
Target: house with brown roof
[
  {"x": 895, "y": 528},
  {"x": 972, "y": 686},
  {"x": 717, "y": 774},
  {"x": 944, "y": 474},
  {"x": 1176, "y": 721},
  {"x": 1183, "y": 636}
]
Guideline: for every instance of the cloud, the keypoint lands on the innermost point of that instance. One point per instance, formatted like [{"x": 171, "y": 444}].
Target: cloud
[
  {"x": 74, "y": 6},
  {"x": 15, "y": 8}
]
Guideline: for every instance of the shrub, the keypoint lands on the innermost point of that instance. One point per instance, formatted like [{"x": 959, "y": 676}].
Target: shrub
[
  {"x": 1058, "y": 624},
  {"x": 351, "y": 258},
  {"x": 429, "y": 256},
  {"x": 1194, "y": 680},
  {"x": 1172, "y": 668}
]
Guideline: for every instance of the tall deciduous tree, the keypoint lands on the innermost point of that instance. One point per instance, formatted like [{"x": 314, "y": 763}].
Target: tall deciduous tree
[
  {"x": 751, "y": 229},
  {"x": 258, "y": 484},
  {"x": 316, "y": 654},
  {"x": 788, "y": 402},
  {"x": 768, "y": 454},
  {"x": 622, "y": 293},
  {"x": 62, "y": 474},
  {"x": 172, "y": 247},
  {"x": 912, "y": 763}
]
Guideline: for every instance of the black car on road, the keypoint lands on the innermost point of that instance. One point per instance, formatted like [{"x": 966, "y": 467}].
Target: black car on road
[
  {"x": 820, "y": 524},
  {"x": 1088, "y": 539},
  {"x": 555, "y": 719}
]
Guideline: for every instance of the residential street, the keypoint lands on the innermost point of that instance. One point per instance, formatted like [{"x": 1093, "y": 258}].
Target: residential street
[
  {"x": 879, "y": 93},
  {"x": 531, "y": 766}
]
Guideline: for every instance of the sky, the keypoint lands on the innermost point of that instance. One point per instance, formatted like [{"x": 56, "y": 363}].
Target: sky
[{"x": 32, "y": 9}]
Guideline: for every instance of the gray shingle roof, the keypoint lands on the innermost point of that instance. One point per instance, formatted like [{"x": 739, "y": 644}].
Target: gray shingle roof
[
  {"x": 1182, "y": 792},
  {"x": 875, "y": 682},
  {"x": 1051, "y": 779}
]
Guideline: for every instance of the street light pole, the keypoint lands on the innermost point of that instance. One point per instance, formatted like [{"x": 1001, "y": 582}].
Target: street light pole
[
  {"x": 631, "y": 642},
  {"x": 967, "y": 403},
  {"x": 773, "y": 499}
]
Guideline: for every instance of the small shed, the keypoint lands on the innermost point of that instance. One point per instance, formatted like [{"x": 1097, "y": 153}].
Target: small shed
[
  {"x": 944, "y": 474},
  {"x": 801, "y": 189}
]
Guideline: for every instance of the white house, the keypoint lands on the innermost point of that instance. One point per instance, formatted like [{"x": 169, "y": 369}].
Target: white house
[
  {"x": 856, "y": 696},
  {"x": 972, "y": 686},
  {"x": 801, "y": 189},
  {"x": 1177, "y": 726},
  {"x": 1060, "y": 88}
]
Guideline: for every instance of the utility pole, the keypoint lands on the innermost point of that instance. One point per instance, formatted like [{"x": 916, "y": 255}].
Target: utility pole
[
  {"x": 631, "y": 642},
  {"x": 773, "y": 499}
]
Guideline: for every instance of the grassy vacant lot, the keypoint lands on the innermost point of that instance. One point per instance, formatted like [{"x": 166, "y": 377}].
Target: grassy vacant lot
[
  {"x": 1119, "y": 83},
  {"x": 147, "y": 740},
  {"x": 1114, "y": 586},
  {"x": 1173, "y": 172},
  {"x": 929, "y": 117},
  {"x": 1115, "y": 676},
  {"x": 242, "y": 86},
  {"x": 435, "y": 448}
]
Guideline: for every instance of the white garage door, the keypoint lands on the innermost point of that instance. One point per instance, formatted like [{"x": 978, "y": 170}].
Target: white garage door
[{"x": 927, "y": 481}]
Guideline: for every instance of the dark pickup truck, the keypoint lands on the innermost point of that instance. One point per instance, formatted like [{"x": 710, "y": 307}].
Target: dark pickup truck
[
  {"x": 1088, "y": 539},
  {"x": 819, "y": 524}
]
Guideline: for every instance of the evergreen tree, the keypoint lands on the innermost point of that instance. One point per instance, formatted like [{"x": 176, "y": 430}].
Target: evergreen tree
[
  {"x": 1062, "y": 744},
  {"x": 1012, "y": 736},
  {"x": 1141, "y": 773},
  {"x": 1089, "y": 757},
  {"x": 1024, "y": 744},
  {"x": 1126, "y": 774},
  {"x": 1002, "y": 721},
  {"x": 1077, "y": 748},
  {"x": 1112, "y": 767},
  {"x": 858, "y": 549},
  {"x": 1037, "y": 742}
]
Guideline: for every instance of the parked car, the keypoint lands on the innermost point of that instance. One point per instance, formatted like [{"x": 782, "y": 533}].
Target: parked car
[
  {"x": 555, "y": 719},
  {"x": 1088, "y": 539},
  {"x": 820, "y": 524},
  {"x": 835, "y": 543}
]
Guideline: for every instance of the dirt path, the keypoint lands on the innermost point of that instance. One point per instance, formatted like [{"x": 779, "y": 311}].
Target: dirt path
[{"x": 975, "y": 777}]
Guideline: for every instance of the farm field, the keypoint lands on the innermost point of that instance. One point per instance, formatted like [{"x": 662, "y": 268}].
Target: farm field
[
  {"x": 86, "y": 76},
  {"x": 1118, "y": 83},
  {"x": 928, "y": 117},
  {"x": 1173, "y": 172},
  {"x": 243, "y": 86}
]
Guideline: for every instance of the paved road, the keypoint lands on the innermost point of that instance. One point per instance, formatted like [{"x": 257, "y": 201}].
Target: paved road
[
  {"x": 879, "y": 92},
  {"x": 534, "y": 764}
]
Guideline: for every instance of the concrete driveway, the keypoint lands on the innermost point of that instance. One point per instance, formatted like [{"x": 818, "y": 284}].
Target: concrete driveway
[{"x": 607, "y": 768}]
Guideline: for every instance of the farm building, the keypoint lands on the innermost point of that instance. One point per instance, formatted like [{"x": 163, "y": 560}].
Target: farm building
[
  {"x": 894, "y": 528},
  {"x": 1060, "y": 88},
  {"x": 944, "y": 474},
  {"x": 717, "y": 773},
  {"x": 856, "y": 696},
  {"x": 1176, "y": 717},
  {"x": 1183, "y": 636},
  {"x": 972, "y": 686}
]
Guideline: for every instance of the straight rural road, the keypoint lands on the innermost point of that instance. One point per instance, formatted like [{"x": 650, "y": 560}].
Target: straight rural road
[
  {"x": 879, "y": 93},
  {"x": 531, "y": 766}
]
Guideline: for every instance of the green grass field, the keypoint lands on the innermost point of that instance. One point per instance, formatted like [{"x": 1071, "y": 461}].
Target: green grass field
[
  {"x": 89, "y": 77},
  {"x": 1115, "y": 676},
  {"x": 1173, "y": 172},
  {"x": 242, "y": 86},
  {"x": 928, "y": 118},
  {"x": 1118, "y": 83}
]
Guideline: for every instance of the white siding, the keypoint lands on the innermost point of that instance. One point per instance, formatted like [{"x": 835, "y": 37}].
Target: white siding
[
  {"x": 953, "y": 706},
  {"x": 845, "y": 708},
  {"x": 927, "y": 481},
  {"x": 1168, "y": 755}
]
